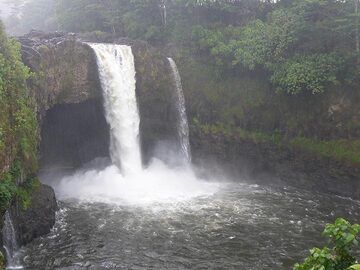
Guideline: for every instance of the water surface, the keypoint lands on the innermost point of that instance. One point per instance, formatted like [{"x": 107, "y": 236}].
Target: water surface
[{"x": 241, "y": 226}]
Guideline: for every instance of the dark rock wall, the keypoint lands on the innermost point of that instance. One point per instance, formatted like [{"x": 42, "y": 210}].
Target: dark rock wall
[
  {"x": 155, "y": 100},
  {"x": 65, "y": 70},
  {"x": 73, "y": 134},
  {"x": 34, "y": 221},
  {"x": 266, "y": 163}
]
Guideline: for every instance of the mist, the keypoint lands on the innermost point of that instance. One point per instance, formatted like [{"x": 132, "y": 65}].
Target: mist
[{"x": 22, "y": 16}]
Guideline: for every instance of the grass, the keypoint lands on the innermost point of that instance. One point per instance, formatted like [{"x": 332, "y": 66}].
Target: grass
[{"x": 342, "y": 149}]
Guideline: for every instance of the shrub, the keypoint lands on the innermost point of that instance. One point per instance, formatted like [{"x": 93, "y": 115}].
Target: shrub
[{"x": 338, "y": 254}]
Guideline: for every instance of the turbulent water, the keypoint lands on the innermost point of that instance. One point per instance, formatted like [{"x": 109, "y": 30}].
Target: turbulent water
[
  {"x": 117, "y": 76},
  {"x": 183, "y": 127},
  {"x": 239, "y": 227}
]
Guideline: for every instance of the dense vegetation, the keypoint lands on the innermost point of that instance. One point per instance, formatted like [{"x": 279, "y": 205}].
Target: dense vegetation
[
  {"x": 18, "y": 125},
  {"x": 339, "y": 253}
]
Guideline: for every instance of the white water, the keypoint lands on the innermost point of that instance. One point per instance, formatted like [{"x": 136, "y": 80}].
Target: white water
[
  {"x": 125, "y": 181},
  {"x": 156, "y": 184},
  {"x": 117, "y": 76},
  {"x": 10, "y": 244},
  {"x": 182, "y": 127}
]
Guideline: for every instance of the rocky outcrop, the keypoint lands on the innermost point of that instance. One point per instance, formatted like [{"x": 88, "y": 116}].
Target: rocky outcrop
[
  {"x": 64, "y": 69},
  {"x": 38, "y": 218}
]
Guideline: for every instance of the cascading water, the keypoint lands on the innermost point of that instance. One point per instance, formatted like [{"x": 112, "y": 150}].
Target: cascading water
[
  {"x": 10, "y": 243},
  {"x": 117, "y": 76},
  {"x": 132, "y": 185},
  {"x": 182, "y": 126}
]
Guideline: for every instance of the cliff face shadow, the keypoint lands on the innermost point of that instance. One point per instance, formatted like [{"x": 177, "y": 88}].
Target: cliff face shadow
[{"x": 73, "y": 134}]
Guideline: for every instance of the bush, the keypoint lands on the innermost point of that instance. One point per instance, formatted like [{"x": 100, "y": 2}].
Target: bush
[{"x": 343, "y": 237}]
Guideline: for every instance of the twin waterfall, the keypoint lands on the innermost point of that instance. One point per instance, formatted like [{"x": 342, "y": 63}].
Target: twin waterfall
[
  {"x": 117, "y": 76},
  {"x": 183, "y": 127}
]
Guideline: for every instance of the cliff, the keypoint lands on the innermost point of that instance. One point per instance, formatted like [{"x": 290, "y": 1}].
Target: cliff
[{"x": 65, "y": 75}]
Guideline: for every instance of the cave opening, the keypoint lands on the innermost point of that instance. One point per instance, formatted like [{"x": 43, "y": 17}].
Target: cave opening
[{"x": 73, "y": 134}]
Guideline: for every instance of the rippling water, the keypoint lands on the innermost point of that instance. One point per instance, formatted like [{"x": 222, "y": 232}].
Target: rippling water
[{"x": 239, "y": 227}]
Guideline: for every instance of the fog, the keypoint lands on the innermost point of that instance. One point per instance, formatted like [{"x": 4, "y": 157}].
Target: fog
[{"x": 21, "y": 16}]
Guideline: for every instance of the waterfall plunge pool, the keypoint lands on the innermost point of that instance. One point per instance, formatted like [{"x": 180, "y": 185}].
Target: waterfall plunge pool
[{"x": 238, "y": 226}]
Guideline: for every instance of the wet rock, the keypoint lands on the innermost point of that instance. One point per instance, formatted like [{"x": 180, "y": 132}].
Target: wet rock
[
  {"x": 38, "y": 219},
  {"x": 65, "y": 68},
  {"x": 271, "y": 164}
]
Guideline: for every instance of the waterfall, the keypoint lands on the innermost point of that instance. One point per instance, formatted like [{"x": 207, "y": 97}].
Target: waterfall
[
  {"x": 182, "y": 123},
  {"x": 117, "y": 76},
  {"x": 10, "y": 243},
  {"x": 132, "y": 185}
]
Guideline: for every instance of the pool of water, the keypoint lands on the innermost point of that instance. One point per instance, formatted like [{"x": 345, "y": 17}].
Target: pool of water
[{"x": 241, "y": 226}]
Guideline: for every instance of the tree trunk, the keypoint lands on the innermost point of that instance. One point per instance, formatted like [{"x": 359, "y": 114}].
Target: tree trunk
[
  {"x": 357, "y": 41},
  {"x": 162, "y": 6}
]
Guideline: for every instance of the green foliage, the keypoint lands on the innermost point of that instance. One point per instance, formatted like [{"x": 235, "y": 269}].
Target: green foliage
[
  {"x": 10, "y": 189},
  {"x": 24, "y": 191},
  {"x": 343, "y": 237},
  {"x": 319, "y": 259},
  {"x": 8, "y": 185},
  {"x": 18, "y": 124},
  {"x": 289, "y": 44},
  {"x": 342, "y": 150},
  {"x": 7, "y": 191},
  {"x": 312, "y": 73}
]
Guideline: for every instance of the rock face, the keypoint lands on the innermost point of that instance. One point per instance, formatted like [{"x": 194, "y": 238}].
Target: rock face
[
  {"x": 266, "y": 163},
  {"x": 35, "y": 221},
  {"x": 155, "y": 98},
  {"x": 38, "y": 218},
  {"x": 66, "y": 73},
  {"x": 65, "y": 69}
]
